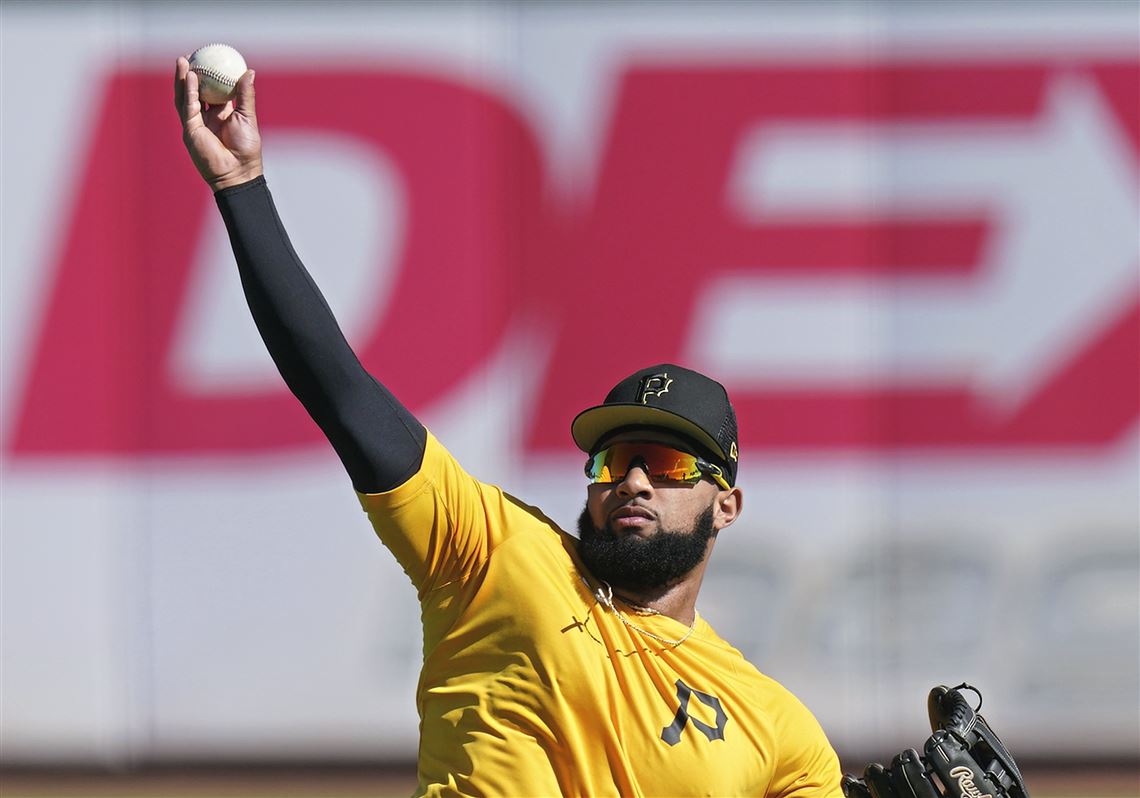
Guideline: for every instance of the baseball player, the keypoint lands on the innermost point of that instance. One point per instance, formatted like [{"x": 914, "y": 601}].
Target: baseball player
[{"x": 552, "y": 665}]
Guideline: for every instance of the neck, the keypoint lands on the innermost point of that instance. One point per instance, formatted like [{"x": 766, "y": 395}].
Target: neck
[{"x": 678, "y": 600}]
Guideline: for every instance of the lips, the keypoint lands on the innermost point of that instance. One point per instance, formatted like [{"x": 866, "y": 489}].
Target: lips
[{"x": 631, "y": 512}]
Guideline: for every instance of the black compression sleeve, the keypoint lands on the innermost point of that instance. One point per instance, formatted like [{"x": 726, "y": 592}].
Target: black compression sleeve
[{"x": 379, "y": 441}]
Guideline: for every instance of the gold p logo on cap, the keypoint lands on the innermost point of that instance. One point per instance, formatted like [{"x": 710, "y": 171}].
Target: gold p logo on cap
[{"x": 653, "y": 385}]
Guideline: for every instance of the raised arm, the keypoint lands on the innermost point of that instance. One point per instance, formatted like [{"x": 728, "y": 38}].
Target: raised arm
[{"x": 378, "y": 440}]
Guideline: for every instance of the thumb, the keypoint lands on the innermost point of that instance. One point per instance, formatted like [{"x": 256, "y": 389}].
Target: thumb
[{"x": 244, "y": 99}]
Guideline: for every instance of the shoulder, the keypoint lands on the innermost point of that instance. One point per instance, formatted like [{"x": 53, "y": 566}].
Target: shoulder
[
  {"x": 444, "y": 525},
  {"x": 459, "y": 496},
  {"x": 440, "y": 473}
]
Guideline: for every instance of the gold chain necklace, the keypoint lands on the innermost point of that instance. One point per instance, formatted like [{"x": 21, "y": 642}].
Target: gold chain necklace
[{"x": 605, "y": 596}]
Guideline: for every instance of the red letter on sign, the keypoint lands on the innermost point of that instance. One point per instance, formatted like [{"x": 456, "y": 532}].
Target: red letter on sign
[
  {"x": 661, "y": 226},
  {"x": 100, "y": 380}
]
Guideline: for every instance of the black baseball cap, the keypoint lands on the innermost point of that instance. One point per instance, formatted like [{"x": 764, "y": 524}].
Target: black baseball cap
[{"x": 668, "y": 397}]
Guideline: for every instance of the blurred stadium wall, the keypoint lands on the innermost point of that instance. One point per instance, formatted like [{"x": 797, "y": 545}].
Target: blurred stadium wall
[{"x": 906, "y": 237}]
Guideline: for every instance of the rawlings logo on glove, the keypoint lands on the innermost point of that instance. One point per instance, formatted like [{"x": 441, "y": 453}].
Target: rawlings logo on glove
[
  {"x": 962, "y": 759},
  {"x": 965, "y": 778}
]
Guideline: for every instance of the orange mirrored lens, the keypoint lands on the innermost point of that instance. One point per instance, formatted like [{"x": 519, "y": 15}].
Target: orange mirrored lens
[{"x": 661, "y": 463}]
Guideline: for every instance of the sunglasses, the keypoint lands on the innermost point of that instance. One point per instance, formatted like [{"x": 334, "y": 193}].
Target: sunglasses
[{"x": 661, "y": 463}]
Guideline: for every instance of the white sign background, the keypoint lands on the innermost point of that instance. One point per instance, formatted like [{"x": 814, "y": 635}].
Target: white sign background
[{"x": 232, "y": 608}]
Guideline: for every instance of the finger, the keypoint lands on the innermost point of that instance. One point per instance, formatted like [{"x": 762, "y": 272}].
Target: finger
[
  {"x": 909, "y": 776},
  {"x": 244, "y": 95},
  {"x": 191, "y": 107},
  {"x": 181, "y": 67},
  {"x": 854, "y": 788},
  {"x": 215, "y": 115},
  {"x": 879, "y": 781}
]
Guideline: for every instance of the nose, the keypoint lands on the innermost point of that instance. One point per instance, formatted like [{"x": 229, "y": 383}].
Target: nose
[{"x": 635, "y": 483}]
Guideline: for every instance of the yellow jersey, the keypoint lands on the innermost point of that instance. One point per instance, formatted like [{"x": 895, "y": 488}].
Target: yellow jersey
[{"x": 533, "y": 687}]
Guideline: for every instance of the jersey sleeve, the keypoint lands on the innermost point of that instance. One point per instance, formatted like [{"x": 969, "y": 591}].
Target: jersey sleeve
[
  {"x": 441, "y": 524},
  {"x": 808, "y": 766}
]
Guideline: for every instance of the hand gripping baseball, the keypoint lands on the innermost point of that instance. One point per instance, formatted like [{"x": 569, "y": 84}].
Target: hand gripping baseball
[
  {"x": 223, "y": 140},
  {"x": 962, "y": 759}
]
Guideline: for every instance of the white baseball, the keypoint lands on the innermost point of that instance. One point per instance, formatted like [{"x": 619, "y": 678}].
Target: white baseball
[{"x": 218, "y": 67}]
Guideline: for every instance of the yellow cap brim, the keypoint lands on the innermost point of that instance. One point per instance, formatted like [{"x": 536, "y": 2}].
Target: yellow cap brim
[{"x": 593, "y": 424}]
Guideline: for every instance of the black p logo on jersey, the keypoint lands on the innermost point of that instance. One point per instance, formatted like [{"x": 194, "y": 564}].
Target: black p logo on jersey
[{"x": 672, "y": 733}]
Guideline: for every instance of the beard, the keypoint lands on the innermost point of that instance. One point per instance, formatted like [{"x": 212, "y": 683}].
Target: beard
[{"x": 636, "y": 563}]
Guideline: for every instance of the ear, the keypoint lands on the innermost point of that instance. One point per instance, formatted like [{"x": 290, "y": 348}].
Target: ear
[{"x": 729, "y": 503}]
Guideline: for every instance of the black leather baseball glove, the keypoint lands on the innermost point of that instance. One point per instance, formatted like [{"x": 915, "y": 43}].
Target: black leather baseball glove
[{"x": 962, "y": 759}]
